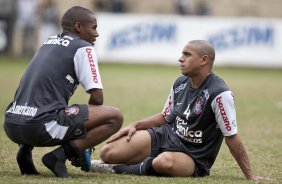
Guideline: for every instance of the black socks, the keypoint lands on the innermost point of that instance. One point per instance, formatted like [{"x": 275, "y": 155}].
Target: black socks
[
  {"x": 24, "y": 159},
  {"x": 72, "y": 153},
  {"x": 55, "y": 161},
  {"x": 143, "y": 168}
]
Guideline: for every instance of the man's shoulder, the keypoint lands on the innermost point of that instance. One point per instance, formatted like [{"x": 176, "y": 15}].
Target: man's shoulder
[
  {"x": 217, "y": 82},
  {"x": 67, "y": 40},
  {"x": 180, "y": 83},
  {"x": 76, "y": 41},
  {"x": 181, "y": 79},
  {"x": 217, "y": 85}
]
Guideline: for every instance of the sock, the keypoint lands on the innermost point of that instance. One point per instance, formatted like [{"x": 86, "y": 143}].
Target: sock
[
  {"x": 143, "y": 168},
  {"x": 55, "y": 161},
  {"x": 24, "y": 160},
  {"x": 72, "y": 153}
]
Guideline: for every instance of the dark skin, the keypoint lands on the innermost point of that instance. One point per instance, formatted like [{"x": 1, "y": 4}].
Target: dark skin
[
  {"x": 86, "y": 29},
  {"x": 103, "y": 120}
]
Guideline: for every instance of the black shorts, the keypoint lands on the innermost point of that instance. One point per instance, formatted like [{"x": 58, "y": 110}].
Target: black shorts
[
  {"x": 69, "y": 124},
  {"x": 164, "y": 139}
]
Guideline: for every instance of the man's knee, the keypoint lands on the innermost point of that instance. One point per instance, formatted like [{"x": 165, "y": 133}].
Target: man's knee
[
  {"x": 163, "y": 163},
  {"x": 117, "y": 117},
  {"x": 114, "y": 117},
  {"x": 174, "y": 164},
  {"x": 108, "y": 154}
]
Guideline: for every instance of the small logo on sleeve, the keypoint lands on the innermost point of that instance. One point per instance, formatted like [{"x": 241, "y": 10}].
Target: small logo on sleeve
[{"x": 167, "y": 109}]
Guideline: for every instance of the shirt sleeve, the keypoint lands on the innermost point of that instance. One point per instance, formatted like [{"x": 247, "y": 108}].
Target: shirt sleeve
[
  {"x": 224, "y": 109},
  {"x": 168, "y": 110},
  {"x": 86, "y": 68}
]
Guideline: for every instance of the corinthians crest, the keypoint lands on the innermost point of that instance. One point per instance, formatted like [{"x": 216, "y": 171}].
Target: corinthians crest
[{"x": 198, "y": 106}]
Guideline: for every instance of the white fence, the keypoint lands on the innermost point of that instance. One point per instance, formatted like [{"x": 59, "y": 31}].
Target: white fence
[{"x": 131, "y": 38}]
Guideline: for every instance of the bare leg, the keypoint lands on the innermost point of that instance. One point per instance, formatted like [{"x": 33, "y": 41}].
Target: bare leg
[
  {"x": 174, "y": 164},
  {"x": 128, "y": 152},
  {"x": 103, "y": 122},
  {"x": 134, "y": 157},
  {"x": 166, "y": 164}
]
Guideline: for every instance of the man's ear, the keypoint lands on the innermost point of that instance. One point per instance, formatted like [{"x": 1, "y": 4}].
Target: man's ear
[
  {"x": 77, "y": 27},
  {"x": 205, "y": 59}
]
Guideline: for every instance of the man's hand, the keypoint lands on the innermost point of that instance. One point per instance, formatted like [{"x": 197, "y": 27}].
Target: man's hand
[
  {"x": 155, "y": 120},
  {"x": 260, "y": 178},
  {"x": 127, "y": 131}
]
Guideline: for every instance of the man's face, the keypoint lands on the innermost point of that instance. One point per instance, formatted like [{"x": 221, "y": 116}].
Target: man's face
[
  {"x": 88, "y": 30},
  {"x": 190, "y": 61}
]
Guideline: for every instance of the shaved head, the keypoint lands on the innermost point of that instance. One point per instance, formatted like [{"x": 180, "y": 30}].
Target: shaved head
[
  {"x": 73, "y": 15},
  {"x": 203, "y": 47}
]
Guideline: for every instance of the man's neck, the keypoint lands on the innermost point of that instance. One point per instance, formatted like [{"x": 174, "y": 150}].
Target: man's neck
[{"x": 197, "y": 81}]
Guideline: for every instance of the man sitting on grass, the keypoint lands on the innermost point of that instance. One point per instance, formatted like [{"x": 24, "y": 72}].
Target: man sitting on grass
[{"x": 185, "y": 138}]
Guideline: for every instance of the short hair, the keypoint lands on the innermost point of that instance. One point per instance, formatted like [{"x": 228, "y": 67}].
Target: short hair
[
  {"x": 73, "y": 15},
  {"x": 203, "y": 47}
]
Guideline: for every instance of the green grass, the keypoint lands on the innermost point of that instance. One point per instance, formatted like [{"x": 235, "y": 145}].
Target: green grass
[{"x": 140, "y": 91}]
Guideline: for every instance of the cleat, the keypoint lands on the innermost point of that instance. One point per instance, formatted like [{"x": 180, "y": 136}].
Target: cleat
[
  {"x": 101, "y": 167},
  {"x": 25, "y": 162},
  {"x": 85, "y": 160},
  {"x": 55, "y": 161},
  {"x": 77, "y": 157}
]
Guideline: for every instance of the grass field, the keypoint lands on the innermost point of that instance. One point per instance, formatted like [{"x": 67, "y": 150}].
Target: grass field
[{"x": 141, "y": 90}]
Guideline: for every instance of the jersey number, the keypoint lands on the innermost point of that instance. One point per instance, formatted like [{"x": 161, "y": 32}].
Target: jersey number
[{"x": 187, "y": 112}]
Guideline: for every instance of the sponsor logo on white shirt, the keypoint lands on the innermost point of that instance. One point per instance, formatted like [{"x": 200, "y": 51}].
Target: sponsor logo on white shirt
[{"x": 92, "y": 64}]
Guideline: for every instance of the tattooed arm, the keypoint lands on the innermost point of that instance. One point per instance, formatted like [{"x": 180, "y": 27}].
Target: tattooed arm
[{"x": 239, "y": 152}]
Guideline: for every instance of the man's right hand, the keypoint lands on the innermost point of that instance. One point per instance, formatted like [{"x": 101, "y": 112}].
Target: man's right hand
[{"x": 127, "y": 131}]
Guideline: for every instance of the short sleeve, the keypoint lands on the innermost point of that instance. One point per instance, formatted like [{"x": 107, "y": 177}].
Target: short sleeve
[
  {"x": 168, "y": 110},
  {"x": 86, "y": 68},
  {"x": 224, "y": 109}
]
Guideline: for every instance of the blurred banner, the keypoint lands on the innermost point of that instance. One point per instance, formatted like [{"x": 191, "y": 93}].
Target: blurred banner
[
  {"x": 255, "y": 42},
  {"x": 3, "y": 35},
  {"x": 7, "y": 17}
]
